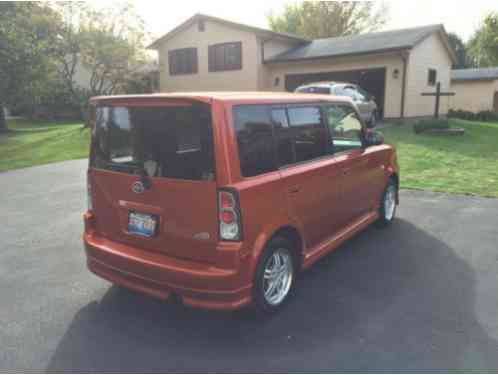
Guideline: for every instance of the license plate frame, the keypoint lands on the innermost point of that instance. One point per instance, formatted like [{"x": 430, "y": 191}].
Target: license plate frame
[{"x": 142, "y": 224}]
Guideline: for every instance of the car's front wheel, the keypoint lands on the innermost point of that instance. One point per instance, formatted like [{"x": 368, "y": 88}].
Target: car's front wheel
[
  {"x": 387, "y": 210},
  {"x": 275, "y": 276}
]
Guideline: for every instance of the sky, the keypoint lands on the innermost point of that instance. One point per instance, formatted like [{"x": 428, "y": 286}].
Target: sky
[{"x": 462, "y": 17}]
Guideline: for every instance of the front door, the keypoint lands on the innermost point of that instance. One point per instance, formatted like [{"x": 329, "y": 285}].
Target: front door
[{"x": 356, "y": 184}]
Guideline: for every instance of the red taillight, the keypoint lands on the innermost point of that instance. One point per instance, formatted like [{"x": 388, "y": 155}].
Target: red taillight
[
  {"x": 226, "y": 200},
  {"x": 228, "y": 217},
  {"x": 230, "y": 229}
]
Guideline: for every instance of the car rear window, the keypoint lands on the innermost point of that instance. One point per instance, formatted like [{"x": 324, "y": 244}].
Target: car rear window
[{"x": 171, "y": 141}]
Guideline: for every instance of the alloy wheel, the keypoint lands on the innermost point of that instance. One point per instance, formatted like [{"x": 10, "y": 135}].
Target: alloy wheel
[{"x": 278, "y": 275}]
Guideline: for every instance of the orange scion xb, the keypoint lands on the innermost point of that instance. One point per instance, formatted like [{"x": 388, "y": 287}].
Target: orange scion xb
[{"x": 221, "y": 199}]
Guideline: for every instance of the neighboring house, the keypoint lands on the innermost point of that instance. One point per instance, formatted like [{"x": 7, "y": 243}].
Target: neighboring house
[
  {"x": 476, "y": 89},
  {"x": 209, "y": 53}
]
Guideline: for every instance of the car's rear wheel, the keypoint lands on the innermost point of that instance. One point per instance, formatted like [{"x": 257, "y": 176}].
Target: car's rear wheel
[
  {"x": 387, "y": 210},
  {"x": 275, "y": 276}
]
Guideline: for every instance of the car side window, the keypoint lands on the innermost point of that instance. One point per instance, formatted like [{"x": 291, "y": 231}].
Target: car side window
[
  {"x": 348, "y": 91},
  {"x": 286, "y": 153},
  {"x": 319, "y": 90},
  {"x": 360, "y": 97},
  {"x": 309, "y": 134},
  {"x": 344, "y": 127},
  {"x": 365, "y": 95},
  {"x": 315, "y": 90},
  {"x": 254, "y": 132}
]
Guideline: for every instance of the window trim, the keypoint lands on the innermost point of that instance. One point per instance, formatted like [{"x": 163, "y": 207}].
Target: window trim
[
  {"x": 195, "y": 65},
  {"x": 211, "y": 63}
]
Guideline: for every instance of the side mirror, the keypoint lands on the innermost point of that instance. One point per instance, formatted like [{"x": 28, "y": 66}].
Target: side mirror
[{"x": 373, "y": 138}]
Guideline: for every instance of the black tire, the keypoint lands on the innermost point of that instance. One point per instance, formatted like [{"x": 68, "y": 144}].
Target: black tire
[
  {"x": 260, "y": 303},
  {"x": 385, "y": 216}
]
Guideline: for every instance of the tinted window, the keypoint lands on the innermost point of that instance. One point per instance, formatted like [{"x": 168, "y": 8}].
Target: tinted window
[
  {"x": 182, "y": 61},
  {"x": 255, "y": 139},
  {"x": 308, "y": 134},
  {"x": 226, "y": 56},
  {"x": 344, "y": 127},
  {"x": 172, "y": 142},
  {"x": 315, "y": 90},
  {"x": 284, "y": 137},
  {"x": 347, "y": 91},
  {"x": 365, "y": 95}
]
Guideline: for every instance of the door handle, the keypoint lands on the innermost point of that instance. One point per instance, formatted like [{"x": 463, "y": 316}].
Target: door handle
[
  {"x": 294, "y": 189},
  {"x": 346, "y": 171}
]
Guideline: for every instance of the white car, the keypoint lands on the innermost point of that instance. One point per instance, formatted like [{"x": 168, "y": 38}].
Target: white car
[{"x": 364, "y": 101}]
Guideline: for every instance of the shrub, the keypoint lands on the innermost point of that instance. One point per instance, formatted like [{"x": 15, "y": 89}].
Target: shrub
[
  {"x": 487, "y": 116},
  {"x": 471, "y": 116},
  {"x": 423, "y": 125},
  {"x": 54, "y": 102}
]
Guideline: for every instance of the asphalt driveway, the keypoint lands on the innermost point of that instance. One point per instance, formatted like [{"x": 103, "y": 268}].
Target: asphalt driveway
[{"x": 421, "y": 295}]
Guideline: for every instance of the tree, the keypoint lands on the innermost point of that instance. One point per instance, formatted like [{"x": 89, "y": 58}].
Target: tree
[
  {"x": 460, "y": 51},
  {"x": 325, "y": 19},
  {"x": 112, "y": 48},
  {"x": 66, "y": 43},
  {"x": 483, "y": 45},
  {"x": 24, "y": 65}
]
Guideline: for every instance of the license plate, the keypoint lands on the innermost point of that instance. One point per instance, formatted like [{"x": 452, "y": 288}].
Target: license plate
[{"x": 142, "y": 224}]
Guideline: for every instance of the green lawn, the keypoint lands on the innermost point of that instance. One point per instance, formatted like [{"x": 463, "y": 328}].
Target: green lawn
[
  {"x": 31, "y": 143},
  {"x": 460, "y": 164},
  {"x": 465, "y": 164}
]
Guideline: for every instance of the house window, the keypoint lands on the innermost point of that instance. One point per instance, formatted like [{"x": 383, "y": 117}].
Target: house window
[
  {"x": 431, "y": 78},
  {"x": 201, "y": 25},
  {"x": 226, "y": 56},
  {"x": 182, "y": 61}
]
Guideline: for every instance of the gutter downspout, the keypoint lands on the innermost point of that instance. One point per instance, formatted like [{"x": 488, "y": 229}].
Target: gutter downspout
[{"x": 404, "y": 57}]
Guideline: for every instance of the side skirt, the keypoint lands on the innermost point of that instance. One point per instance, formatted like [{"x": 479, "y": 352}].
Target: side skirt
[{"x": 334, "y": 242}]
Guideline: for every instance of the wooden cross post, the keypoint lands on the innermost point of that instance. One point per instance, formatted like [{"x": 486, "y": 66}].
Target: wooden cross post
[{"x": 438, "y": 95}]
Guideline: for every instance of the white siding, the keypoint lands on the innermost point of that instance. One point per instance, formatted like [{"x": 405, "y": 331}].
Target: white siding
[
  {"x": 245, "y": 79},
  {"x": 473, "y": 96},
  {"x": 429, "y": 54}
]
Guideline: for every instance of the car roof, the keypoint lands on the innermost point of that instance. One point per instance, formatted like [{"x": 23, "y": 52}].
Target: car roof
[{"x": 226, "y": 96}]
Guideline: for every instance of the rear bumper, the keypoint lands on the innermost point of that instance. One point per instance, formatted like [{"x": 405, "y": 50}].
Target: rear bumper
[{"x": 196, "y": 284}]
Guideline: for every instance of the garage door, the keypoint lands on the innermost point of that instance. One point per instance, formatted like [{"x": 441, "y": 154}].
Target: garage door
[{"x": 371, "y": 80}]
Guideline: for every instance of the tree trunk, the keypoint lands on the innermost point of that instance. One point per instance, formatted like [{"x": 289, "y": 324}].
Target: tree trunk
[{"x": 3, "y": 122}]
